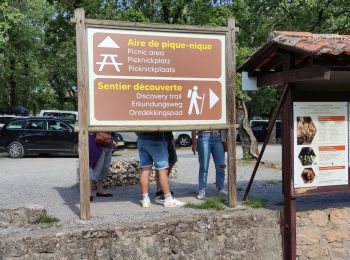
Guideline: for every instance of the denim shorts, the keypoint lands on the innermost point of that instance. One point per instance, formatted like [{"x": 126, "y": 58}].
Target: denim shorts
[{"x": 153, "y": 152}]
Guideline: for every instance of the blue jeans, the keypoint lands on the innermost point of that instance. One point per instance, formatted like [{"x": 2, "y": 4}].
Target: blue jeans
[{"x": 210, "y": 143}]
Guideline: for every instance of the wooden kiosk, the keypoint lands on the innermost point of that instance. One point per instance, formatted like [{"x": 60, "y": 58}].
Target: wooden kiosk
[{"x": 313, "y": 71}]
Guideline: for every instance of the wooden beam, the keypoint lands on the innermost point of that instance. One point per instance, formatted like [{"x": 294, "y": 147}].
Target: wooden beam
[
  {"x": 82, "y": 76},
  {"x": 151, "y": 26},
  {"x": 231, "y": 112},
  {"x": 304, "y": 74}
]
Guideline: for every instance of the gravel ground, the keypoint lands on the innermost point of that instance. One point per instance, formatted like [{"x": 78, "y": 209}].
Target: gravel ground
[{"x": 51, "y": 182}]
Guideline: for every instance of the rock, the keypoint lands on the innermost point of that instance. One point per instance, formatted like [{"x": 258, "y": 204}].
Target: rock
[
  {"x": 123, "y": 173},
  {"x": 319, "y": 218},
  {"x": 307, "y": 236},
  {"x": 21, "y": 216},
  {"x": 334, "y": 235}
]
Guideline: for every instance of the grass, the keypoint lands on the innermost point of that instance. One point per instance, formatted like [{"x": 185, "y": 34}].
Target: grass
[
  {"x": 47, "y": 219},
  {"x": 211, "y": 203},
  {"x": 255, "y": 202}
]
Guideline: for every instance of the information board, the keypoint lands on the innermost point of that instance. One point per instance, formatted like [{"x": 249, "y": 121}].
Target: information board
[
  {"x": 156, "y": 78},
  {"x": 321, "y": 144}
]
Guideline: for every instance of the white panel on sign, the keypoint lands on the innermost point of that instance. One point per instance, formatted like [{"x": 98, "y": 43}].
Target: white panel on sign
[{"x": 248, "y": 83}]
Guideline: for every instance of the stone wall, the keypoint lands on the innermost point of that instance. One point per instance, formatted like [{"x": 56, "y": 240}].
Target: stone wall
[
  {"x": 323, "y": 234},
  {"x": 232, "y": 234}
]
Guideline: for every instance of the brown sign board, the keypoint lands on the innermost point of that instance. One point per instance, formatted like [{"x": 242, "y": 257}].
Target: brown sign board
[{"x": 156, "y": 78}]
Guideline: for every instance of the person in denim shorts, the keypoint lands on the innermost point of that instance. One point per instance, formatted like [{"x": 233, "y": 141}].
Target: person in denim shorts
[
  {"x": 153, "y": 151},
  {"x": 209, "y": 142}
]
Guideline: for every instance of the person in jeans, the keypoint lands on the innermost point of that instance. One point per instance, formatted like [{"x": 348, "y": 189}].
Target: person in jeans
[
  {"x": 100, "y": 161},
  {"x": 172, "y": 159},
  {"x": 209, "y": 142},
  {"x": 153, "y": 151}
]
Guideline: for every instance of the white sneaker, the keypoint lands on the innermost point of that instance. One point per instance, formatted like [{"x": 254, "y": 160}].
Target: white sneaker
[
  {"x": 222, "y": 192},
  {"x": 173, "y": 203},
  {"x": 201, "y": 194},
  {"x": 145, "y": 203}
]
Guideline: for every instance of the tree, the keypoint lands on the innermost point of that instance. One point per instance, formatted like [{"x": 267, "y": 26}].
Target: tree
[{"x": 21, "y": 67}]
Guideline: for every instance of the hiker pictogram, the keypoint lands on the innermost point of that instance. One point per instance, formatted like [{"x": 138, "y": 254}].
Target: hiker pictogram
[
  {"x": 193, "y": 95},
  {"x": 113, "y": 61}
]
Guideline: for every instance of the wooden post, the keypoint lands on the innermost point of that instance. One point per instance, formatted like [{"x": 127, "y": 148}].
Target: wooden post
[
  {"x": 231, "y": 112},
  {"x": 82, "y": 74},
  {"x": 289, "y": 216}
]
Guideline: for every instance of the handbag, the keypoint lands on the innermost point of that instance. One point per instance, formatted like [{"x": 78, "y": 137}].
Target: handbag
[{"x": 103, "y": 138}]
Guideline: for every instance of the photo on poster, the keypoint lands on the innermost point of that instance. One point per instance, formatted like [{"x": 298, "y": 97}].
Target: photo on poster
[
  {"x": 306, "y": 130},
  {"x": 308, "y": 175}
]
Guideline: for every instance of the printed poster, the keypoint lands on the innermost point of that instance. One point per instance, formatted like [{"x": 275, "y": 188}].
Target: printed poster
[{"x": 321, "y": 144}]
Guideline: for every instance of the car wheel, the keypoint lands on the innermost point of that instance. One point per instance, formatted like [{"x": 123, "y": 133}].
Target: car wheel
[
  {"x": 184, "y": 140},
  {"x": 16, "y": 150}
]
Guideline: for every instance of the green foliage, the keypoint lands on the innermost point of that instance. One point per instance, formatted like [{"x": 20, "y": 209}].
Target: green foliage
[
  {"x": 47, "y": 219},
  {"x": 37, "y": 40},
  {"x": 211, "y": 203},
  {"x": 255, "y": 202},
  {"x": 247, "y": 156}
]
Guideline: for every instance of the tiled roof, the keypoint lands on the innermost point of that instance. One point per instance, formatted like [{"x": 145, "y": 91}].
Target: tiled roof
[
  {"x": 303, "y": 44},
  {"x": 316, "y": 44}
]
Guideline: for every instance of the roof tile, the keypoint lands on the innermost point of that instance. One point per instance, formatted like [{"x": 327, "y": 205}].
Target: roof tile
[{"x": 316, "y": 44}]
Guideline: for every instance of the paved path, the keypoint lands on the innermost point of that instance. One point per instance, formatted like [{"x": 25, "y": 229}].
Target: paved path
[{"x": 51, "y": 182}]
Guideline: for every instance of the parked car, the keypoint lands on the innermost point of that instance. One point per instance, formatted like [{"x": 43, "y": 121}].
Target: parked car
[
  {"x": 182, "y": 138},
  {"x": 4, "y": 119},
  {"x": 260, "y": 126},
  {"x": 16, "y": 110},
  {"x": 41, "y": 135},
  {"x": 69, "y": 117},
  {"x": 118, "y": 141}
]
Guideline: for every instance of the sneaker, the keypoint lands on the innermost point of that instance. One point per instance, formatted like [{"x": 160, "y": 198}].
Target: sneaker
[
  {"x": 145, "y": 203},
  {"x": 201, "y": 194},
  {"x": 160, "y": 197},
  {"x": 222, "y": 192},
  {"x": 173, "y": 203}
]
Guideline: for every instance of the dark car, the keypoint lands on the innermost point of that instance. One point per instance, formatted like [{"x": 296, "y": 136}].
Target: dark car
[
  {"x": 259, "y": 128},
  {"x": 16, "y": 110},
  {"x": 41, "y": 135},
  {"x": 4, "y": 119}
]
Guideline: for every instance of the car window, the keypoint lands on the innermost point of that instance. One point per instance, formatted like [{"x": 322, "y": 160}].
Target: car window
[
  {"x": 36, "y": 125},
  {"x": 53, "y": 114},
  {"x": 17, "y": 124},
  {"x": 54, "y": 125}
]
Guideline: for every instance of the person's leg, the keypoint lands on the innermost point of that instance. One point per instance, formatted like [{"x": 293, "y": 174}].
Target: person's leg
[
  {"x": 104, "y": 171},
  {"x": 218, "y": 152},
  {"x": 144, "y": 179},
  {"x": 172, "y": 159},
  {"x": 164, "y": 181},
  {"x": 203, "y": 158},
  {"x": 146, "y": 164},
  {"x": 159, "y": 153}
]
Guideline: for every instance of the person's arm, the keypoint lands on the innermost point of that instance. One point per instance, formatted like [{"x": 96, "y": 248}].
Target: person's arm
[{"x": 194, "y": 142}]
